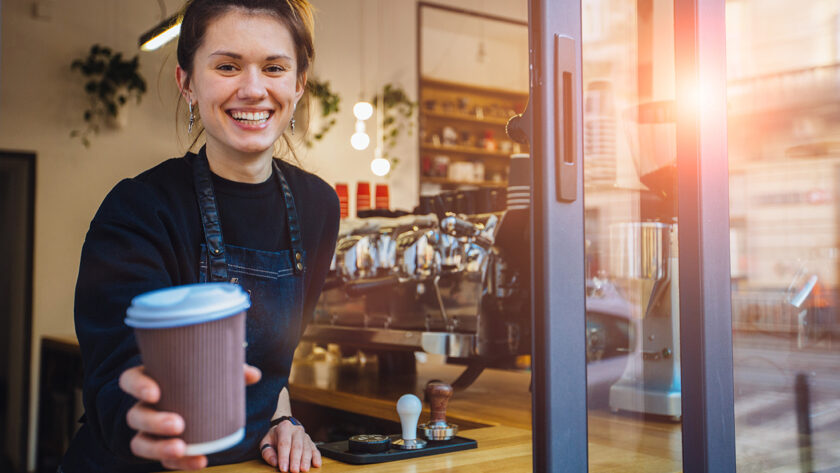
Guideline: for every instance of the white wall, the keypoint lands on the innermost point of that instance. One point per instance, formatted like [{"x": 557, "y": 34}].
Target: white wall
[
  {"x": 41, "y": 102},
  {"x": 451, "y": 44}
]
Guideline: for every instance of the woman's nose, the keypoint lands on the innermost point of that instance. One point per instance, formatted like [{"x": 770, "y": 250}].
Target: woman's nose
[{"x": 251, "y": 86}]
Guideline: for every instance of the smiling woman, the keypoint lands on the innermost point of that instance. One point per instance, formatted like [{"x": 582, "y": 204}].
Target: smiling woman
[
  {"x": 246, "y": 91},
  {"x": 242, "y": 65}
]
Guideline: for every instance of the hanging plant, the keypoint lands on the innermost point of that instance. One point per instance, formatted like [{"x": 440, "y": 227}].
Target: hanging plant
[
  {"x": 397, "y": 111},
  {"x": 327, "y": 104},
  {"x": 111, "y": 82}
]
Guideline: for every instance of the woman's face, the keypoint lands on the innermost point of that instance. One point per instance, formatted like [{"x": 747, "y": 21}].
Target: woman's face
[{"x": 244, "y": 81}]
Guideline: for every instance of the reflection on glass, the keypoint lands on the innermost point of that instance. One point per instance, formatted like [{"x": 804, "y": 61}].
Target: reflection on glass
[
  {"x": 631, "y": 235},
  {"x": 784, "y": 155}
]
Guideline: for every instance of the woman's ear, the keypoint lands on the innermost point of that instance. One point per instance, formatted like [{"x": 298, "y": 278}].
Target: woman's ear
[
  {"x": 183, "y": 80},
  {"x": 300, "y": 87}
]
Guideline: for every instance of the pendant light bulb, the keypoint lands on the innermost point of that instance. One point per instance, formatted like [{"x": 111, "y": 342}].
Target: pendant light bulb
[
  {"x": 380, "y": 166},
  {"x": 363, "y": 110},
  {"x": 360, "y": 140}
]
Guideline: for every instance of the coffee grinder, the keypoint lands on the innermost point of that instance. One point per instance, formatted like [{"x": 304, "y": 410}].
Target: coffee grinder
[{"x": 643, "y": 257}]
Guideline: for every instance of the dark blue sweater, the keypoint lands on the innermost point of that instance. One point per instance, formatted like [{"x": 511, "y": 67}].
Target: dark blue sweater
[{"x": 147, "y": 235}]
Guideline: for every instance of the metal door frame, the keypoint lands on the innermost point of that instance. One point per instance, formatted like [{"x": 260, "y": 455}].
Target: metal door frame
[{"x": 558, "y": 292}]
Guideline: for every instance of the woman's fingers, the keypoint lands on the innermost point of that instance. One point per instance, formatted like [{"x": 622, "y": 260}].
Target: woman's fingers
[
  {"x": 154, "y": 448},
  {"x": 145, "y": 419},
  {"x": 269, "y": 454},
  {"x": 252, "y": 374},
  {"x": 283, "y": 444},
  {"x": 170, "y": 452},
  {"x": 306, "y": 458},
  {"x": 296, "y": 452},
  {"x": 135, "y": 382},
  {"x": 186, "y": 463},
  {"x": 316, "y": 455}
]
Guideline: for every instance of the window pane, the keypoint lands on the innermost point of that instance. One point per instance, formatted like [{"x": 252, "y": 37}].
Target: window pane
[
  {"x": 784, "y": 155},
  {"x": 631, "y": 233}
]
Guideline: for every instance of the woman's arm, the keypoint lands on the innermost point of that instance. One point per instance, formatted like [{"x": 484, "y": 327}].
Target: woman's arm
[
  {"x": 123, "y": 256},
  {"x": 130, "y": 249},
  {"x": 284, "y": 406}
]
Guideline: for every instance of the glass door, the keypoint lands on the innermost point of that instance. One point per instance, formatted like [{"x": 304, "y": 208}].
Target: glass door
[
  {"x": 632, "y": 322},
  {"x": 631, "y": 235}
]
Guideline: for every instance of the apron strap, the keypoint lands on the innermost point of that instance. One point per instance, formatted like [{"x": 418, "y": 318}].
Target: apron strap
[
  {"x": 217, "y": 265},
  {"x": 292, "y": 220},
  {"x": 210, "y": 220}
]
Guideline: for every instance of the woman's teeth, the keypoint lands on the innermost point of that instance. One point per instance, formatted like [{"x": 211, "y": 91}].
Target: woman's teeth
[{"x": 251, "y": 118}]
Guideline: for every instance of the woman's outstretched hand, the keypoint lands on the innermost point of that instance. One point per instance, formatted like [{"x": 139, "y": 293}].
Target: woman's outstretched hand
[
  {"x": 154, "y": 426},
  {"x": 290, "y": 448}
]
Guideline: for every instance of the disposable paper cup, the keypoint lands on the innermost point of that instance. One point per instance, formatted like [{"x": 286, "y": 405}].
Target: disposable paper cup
[{"x": 192, "y": 340}]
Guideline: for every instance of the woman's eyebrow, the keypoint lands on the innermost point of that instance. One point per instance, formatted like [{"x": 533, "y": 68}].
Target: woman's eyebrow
[
  {"x": 228, "y": 54},
  {"x": 233, "y": 55}
]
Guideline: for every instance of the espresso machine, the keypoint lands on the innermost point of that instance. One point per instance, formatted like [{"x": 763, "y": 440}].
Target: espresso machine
[
  {"x": 643, "y": 259},
  {"x": 445, "y": 283}
]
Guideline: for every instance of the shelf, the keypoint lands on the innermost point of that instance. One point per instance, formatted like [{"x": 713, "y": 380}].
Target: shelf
[
  {"x": 442, "y": 84},
  {"x": 463, "y": 117},
  {"x": 465, "y": 150},
  {"x": 449, "y": 182}
]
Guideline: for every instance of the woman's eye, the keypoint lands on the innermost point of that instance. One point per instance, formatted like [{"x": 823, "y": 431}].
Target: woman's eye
[
  {"x": 226, "y": 67},
  {"x": 275, "y": 69}
]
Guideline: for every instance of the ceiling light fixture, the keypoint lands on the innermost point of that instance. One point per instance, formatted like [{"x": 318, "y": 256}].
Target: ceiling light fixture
[
  {"x": 164, "y": 32},
  {"x": 380, "y": 166},
  {"x": 363, "y": 110},
  {"x": 360, "y": 140}
]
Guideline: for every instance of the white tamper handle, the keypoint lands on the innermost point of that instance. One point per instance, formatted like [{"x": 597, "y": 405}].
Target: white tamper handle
[{"x": 409, "y": 408}]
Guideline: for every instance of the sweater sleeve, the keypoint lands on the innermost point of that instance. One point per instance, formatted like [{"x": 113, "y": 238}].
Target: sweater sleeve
[{"x": 127, "y": 251}]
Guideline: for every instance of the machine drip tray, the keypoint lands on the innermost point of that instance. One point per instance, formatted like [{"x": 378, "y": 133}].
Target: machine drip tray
[{"x": 341, "y": 451}]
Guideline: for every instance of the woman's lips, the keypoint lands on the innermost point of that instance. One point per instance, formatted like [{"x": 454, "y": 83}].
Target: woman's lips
[{"x": 254, "y": 120}]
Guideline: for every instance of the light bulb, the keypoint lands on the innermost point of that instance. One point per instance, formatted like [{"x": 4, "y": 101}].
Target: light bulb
[
  {"x": 363, "y": 110},
  {"x": 380, "y": 166},
  {"x": 360, "y": 140}
]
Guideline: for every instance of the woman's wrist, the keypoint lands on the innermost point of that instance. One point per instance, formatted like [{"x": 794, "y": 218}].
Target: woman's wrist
[{"x": 280, "y": 419}]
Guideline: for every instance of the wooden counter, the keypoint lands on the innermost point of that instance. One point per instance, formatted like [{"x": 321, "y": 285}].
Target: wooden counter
[
  {"x": 500, "y": 449},
  {"x": 498, "y": 398},
  {"x": 617, "y": 443}
]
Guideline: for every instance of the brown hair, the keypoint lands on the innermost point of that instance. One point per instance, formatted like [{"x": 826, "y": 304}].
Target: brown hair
[{"x": 197, "y": 15}]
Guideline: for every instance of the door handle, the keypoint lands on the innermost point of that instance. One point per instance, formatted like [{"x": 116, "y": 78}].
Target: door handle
[{"x": 565, "y": 155}]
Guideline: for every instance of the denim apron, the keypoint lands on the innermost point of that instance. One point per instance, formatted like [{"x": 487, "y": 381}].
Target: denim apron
[{"x": 274, "y": 281}]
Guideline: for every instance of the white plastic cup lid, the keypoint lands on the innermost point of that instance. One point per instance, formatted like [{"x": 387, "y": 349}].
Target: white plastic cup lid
[{"x": 186, "y": 305}]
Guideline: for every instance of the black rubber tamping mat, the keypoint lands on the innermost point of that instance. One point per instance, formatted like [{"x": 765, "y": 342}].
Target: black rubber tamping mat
[{"x": 341, "y": 452}]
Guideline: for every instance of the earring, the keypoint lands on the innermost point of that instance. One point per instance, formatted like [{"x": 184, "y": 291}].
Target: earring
[
  {"x": 192, "y": 119},
  {"x": 292, "y": 125}
]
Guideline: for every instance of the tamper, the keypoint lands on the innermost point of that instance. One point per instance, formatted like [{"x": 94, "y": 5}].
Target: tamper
[
  {"x": 438, "y": 395},
  {"x": 409, "y": 407}
]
